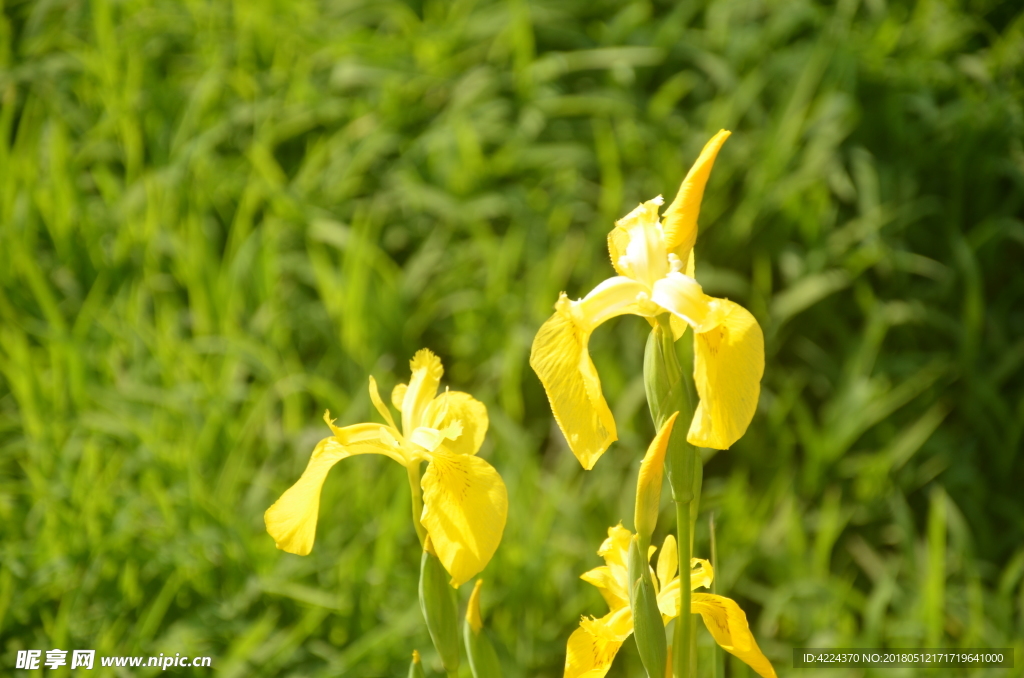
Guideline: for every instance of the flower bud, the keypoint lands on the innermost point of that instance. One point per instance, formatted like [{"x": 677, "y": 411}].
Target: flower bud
[
  {"x": 648, "y": 628},
  {"x": 483, "y": 661},
  {"x": 648, "y": 486},
  {"x": 416, "y": 668},
  {"x": 437, "y": 600}
]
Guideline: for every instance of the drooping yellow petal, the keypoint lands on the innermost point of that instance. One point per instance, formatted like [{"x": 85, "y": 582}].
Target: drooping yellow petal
[
  {"x": 452, "y": 406},
  {"x": 617, "y": 625},
  {"x": 589, "y": 656},
  {"x": 291, "y": 521},
  {"x": 728, "y": 364},
  {"x": 680, "y": 220},
  {"x": 465, "y": 505},
  {"x": 368, "y": 439},
  {"x": 559, "y": 357},
  {"x": 728, "y": 625},
  {"x": 426, "y": 377},
  {"x": 379, "y": 404}
]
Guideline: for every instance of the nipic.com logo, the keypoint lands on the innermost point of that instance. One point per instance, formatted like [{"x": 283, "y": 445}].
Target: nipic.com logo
[{"x": 86, "y": 659}]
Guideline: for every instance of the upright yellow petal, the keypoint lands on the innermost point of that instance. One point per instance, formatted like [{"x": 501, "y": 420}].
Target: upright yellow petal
[
  {"x": 455, "y": 406},
  {"x": 398, "y": 395},
  {"x": 728, "y": 364},
  {"x": 680, "y": 220},
  {"x": 464, "y": 509},
  {"x": 379, "y": 404},
  {"x": 426, "y": 377},
  {"x": 668, "y": 561},
  {"x": 589, "y": 656},
  {"x": 727, "y": 623},
  {"x": 701, "y": 573},
  {"x": 291, "y": 521}
]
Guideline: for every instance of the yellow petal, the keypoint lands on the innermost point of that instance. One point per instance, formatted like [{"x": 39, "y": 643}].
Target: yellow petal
[
  {"x": 680, "y": 220},
  {"x": 430, "y": 438},
  {"x": 617, "y": 625},
  {"x": 473, "y": 609},
  {"x": 370, "y": 439},
  {"x": 610, "y": 584},
  {"x": 464, "y": 509},
  {"x": 668, "y": 560},
  {"x": 455, "y": 406},
  {"x": 588, "y": 656},
  {"x": 728, "y": 364},
  {"x": 683, "y": 297},
  {"x": 426, "y": 377},
  {"x": 291, "y": 521},
  {"x": 379, "y": 404},
  {"x": 678, "y": 324},
  {"x": 701, "y": 573},
  {"x": 728, "y": 625},
  {"x": 615, "y": 549},
  {"x": 649, "y": 482},
  {"x": 398, "y": 395},
  {"x": 559, "y": 357}
]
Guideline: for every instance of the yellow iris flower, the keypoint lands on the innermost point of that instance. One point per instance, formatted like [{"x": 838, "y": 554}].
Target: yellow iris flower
[
  {"x": 465, "y": 503},
  {"x": 650, "y": 257},
  {"x": 592, "y": 647}
]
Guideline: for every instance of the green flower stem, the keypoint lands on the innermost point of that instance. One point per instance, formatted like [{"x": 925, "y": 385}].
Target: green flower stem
[
  {"x": 717, "y": 659},
  {"x": 417, "y": 500},
  {"x": 681, "y": 663}
]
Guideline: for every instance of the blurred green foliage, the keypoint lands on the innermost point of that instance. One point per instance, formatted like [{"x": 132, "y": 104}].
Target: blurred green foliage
[{"x": 216, "y": 219}]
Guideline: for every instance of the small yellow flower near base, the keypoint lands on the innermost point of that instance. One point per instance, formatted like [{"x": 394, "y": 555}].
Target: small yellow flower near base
[
  {"x": 654, "y": 263},
  {"x": 465, "y": 503},
  {"x": 592, "y": 647}
]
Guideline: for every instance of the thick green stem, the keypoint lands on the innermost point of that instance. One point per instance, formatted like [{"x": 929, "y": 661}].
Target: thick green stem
[
  {"x": 417, "y": 500},
  {"x": 669, "y": 390},
  {"x": 681, "y": 662}
]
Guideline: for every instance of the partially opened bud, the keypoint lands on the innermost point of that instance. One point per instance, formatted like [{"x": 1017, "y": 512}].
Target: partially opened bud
[
  {"x": 648, "y": 627},
  {"x": 483, "y": 661},
  {"x": 416, "y": 668},
  {"x": 648, "y": 487},
  {"x": 437, "y": 600}
]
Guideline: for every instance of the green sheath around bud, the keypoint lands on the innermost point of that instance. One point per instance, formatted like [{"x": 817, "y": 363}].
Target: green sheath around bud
[
  {"x": 648, "y": 628},
  {"x": 416, "y": 668},
  {"x": 437, "y": 600},
  {"x": 667, "y": 393},
  {"x": 483, "y": 661}
]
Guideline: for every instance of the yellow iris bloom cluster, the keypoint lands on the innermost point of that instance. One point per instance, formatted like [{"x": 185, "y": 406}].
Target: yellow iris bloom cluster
[
  {"x": 654, "y": 262},
  {"x": 465, "y": 503},
  {"x": 593, "y": 646}
]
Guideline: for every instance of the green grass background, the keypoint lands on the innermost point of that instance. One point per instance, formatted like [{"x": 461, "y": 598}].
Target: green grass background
[{"x": 217, "y": 219}]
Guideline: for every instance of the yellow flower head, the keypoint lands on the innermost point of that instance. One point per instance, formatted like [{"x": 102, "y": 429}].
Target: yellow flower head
[
  {"x": 592, "y": 647},
  {"x": 654, "y": 262},
  {"x": 464, "y": 499}
]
